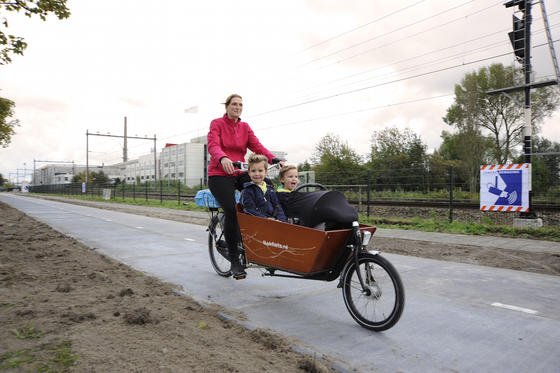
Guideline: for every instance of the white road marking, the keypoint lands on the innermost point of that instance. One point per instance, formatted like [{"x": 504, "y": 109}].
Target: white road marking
[
  {"x": 107, "y": 220},
  {"x": 515, "y": 308},
  {"x": 139, "y": 227},
  {"x": 189, "y": 239}
]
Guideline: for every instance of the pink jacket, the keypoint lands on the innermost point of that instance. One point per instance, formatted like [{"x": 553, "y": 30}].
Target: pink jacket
[{"x": 227, "y": 138}]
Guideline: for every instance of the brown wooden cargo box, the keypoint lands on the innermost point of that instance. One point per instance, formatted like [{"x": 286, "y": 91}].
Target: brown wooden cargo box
[{"x": 289, "y": 247}]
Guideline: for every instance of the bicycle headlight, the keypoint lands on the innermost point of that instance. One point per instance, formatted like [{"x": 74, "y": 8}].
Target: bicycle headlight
[{"x": 366, "y": 236}]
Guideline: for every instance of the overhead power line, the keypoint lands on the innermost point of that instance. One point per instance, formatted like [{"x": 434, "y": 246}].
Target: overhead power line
[
  {"x": 407, "y": 37},
  {"x": 357, "y": 111},
  {"x": 384, "y": 83},
  {"x": 415, "y": 34},
  {"x": 361, "y": 26},
  {"x": 390, "y": 32},
  {"x": 423, "y": 64}
]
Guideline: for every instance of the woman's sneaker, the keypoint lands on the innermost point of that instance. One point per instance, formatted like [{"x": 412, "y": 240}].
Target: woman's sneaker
[{"x": 237, "y": 270}]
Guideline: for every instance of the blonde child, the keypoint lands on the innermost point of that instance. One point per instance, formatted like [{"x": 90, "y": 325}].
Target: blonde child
[
  {"x": 258, "y": 197},
  {"x": 289, "y": 180}
]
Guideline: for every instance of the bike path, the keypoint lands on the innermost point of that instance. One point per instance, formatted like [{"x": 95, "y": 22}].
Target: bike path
[
  {"x": 201, "y": 217},
  {"x": 457, "y": 317}
]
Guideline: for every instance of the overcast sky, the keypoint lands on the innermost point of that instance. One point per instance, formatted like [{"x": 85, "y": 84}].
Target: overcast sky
[{"x": 304, "y": 69}]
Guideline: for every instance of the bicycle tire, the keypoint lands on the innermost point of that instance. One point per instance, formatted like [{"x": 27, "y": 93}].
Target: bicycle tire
[
  {"x": 219, "y": 260},
  {"x": 381, "y": 305}
]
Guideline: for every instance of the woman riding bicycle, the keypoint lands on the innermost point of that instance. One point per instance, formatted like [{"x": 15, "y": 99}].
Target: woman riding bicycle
[{"x": 228, "y": 141}]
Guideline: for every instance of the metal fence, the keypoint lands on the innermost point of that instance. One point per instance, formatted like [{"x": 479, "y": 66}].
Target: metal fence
[
  {"x": 162, "y": 190},
  {"x": 383, "y": 194},
  {"x": 444, "y": 195}
]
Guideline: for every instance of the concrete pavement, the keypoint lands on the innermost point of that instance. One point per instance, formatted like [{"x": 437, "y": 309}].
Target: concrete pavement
[
  {"x": 201, "y": 217},
  {"x": 458, "y": 317}
]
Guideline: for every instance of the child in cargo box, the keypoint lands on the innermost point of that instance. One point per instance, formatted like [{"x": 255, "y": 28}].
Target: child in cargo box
[
  {"x": 289, "y": 180},
  {"x": 257, "y": 197}
]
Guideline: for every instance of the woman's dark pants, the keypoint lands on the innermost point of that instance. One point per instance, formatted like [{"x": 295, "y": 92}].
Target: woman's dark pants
[{"x": 223, "y": 188}]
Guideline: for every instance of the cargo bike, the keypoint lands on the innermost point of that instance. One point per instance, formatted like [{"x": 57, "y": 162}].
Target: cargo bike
[{"x": 371, "y": 287}]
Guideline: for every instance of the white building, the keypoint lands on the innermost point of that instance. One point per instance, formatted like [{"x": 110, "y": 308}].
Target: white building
[
  {"x": 184, "y": 162},
  {"x": 55, "y": 174},
  {"x": 63, "y": 178},
  {"x": 64, "y": 174},
  {"x": 148, "y": 169}
]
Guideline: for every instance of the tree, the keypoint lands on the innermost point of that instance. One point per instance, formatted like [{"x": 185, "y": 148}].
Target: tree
[
  {"x": 396, "y": 156},
  {"x": 334, "y": 162},
  {"x": 437, "y": 173},
  {"x": 11, "y": 44},
  {"x": 79, "y": 178},
  {"x": 98, "y": 177},
  {"x": 94, "y": 177},
  {"x": 7, "y": 125},
  {"x": 305, "y": 166},
  {"x": 545, "y": 166},
  {"x": 499, "y": 116},
  {"x": 2, "y": 180},
  {"x": 467, "y": 149}
]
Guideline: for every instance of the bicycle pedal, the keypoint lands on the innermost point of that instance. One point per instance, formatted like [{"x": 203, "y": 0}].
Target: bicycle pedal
[{"x": 240, "y": 276}]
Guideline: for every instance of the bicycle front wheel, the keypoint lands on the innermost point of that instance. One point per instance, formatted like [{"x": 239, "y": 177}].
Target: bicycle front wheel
[
  {"x": 217, "y": 246},
  {"x": 379, "y": 305}
]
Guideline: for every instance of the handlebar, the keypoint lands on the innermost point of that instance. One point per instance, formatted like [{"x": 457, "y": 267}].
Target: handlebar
[
  {"x": 244, "y": 166},
  {"x": 309, "y": 185}
]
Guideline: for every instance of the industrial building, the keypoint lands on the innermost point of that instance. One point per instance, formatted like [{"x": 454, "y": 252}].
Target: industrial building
[{"x": 186, "y": 162}]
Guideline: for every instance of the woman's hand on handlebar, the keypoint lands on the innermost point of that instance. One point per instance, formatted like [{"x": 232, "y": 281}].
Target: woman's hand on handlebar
[
  {"x": 232, "y": 167},
  {"x": 227, "y": 165},
  {"x": 281, "y": 162}
]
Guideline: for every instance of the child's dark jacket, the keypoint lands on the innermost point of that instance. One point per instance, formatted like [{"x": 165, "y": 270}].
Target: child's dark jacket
[{"x": 257, "y": 203}]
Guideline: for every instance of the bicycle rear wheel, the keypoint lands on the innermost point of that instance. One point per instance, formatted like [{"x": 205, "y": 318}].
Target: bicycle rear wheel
[
  {"x": 217, "y": 246},
  {"x": 379, "y": 306}
]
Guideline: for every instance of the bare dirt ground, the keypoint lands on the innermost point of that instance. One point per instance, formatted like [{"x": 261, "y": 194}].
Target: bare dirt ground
[{"x": 65, "y": 307}]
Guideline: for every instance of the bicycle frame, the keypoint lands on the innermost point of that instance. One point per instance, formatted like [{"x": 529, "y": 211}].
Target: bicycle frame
[{"x": 306, "y": 253}]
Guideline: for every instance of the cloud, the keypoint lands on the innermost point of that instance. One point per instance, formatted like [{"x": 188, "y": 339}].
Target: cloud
[
  {"x": 41, "y": 104},
  {"x": 303, "y": 68}
]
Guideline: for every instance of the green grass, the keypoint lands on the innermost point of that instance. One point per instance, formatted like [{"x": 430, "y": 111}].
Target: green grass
[
  {"x": 435, "y": 225},
  {"x": 58, "y": 356},
  {"x": 432, "y": 224},
  {"x": 139, "y": 201},
  {"x": 48, "y": 357},
  {"x": 6, "y": 305},
  {"x": 15, "y": 359},
  {"x": 459, "y": 195},
  {"x": 28, "y": 332}
]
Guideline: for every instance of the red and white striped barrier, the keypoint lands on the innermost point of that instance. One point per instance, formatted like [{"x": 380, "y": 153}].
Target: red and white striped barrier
[
  {"x": 504, "y": 208},
  {"x": 510, "y": 166}
]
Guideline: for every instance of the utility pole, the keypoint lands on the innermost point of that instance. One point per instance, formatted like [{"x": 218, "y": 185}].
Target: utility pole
[
  {"x": 520, "y": 39},
  {"x": 125, "y": 147},
  {"x": 155, "y": 160},
  {"x": 550, "y": 42},
  {"x": 125, "y": 155},
  {"x": 528, "y": 130},
  {"x": 87, "y": 156}
]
